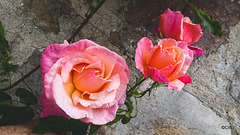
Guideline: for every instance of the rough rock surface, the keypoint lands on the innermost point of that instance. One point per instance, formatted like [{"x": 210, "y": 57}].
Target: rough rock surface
[{"x": 215, "y": 75}]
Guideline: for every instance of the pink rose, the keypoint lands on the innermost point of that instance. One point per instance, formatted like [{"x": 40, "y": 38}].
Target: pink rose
[
  {"x": 174, "y": 25},
  {"x": 166, "y": 62},
  {"x": 82, "y": 81}
]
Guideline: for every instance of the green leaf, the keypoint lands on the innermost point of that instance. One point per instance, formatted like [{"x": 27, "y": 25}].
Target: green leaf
[
  {"x": 4, "y": 96},
  {"x": 197, "y": 19},
  {"x": 3, "y": 44},
  {"x": 3, "y": 73},
  {"x": 6, "y": 66},
  {"x": 209, "y": 22},
  {"x": 5, "y": 106},
  {"x": 89, "y": 1},
  {"x": 1, "y": 31},
  {"x": 92, "y": 9},
  {"x": 125, "y": 120},
  {"x": 5, "y": 102},
  {"x": 94, "y": 129},
  {"x": 17, "y": 115},
  {"x": 4, "y": 80},
  {"x": 118, "y": 117},
  {"x": 120, "y": 110},
  {"x": 26, "y": 97},
  {"x": 98, "y": 2},
  {"x": 56, "y": 123}
]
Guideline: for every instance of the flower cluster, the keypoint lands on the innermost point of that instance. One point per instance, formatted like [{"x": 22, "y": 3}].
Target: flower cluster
[
  {"x": 169, "y": 61},
  {"x": 88, "y": 82}
]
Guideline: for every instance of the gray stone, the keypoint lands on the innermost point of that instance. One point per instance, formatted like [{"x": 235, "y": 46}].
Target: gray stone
[
  {"x": 165, "y": 112},
  {"x": 235, "y": 85}
]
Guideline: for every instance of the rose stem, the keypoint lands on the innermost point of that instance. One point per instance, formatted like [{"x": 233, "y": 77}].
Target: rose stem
[{"x": 85, "y": 22}]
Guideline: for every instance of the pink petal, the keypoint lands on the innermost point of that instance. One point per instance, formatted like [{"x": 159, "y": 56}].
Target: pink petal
[
  {"x": 105, "y": 102},
  {"x": 185, "y": 79},
  {"x": 160, "y": 58},
  {"x": 48, "y": 78},
  {"x": 191, "y": 32},
  {"x": 187, "y": 20},
  {"x": 107, "y": 57},
  {"x": 102, "y": 116},
  {"x": 176, "y": 84},
  {"x": 196, "y": 50},
  {"x": 121, "y": 92},
  {"x": 167, "y": 42},
  {"x": 121, "y": 63},
  {"x": 185, "y": 61},
  {"x": 108, "y": 87},
  {"x": 123, "y": 72},
  {"x": 67, "y": 68},
  {"x": 56, "y": 68},
  {"x": 142, "y": 52},
  {"x": 64, "y": 101},
  {"x": 188, "y": 56},
  {"x": 156, "y": 75},
  {"x": 168, "y": 70},
  {"x": 49, "y": 107},
  {"x": 49, "y": 56},
  {"x": 88, "y": 81},
  {"x": 79, "y": 46},
  {"x": 171, "y": 24}
]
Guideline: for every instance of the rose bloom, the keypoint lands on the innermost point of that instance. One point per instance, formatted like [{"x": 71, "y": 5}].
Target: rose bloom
[
  {"x": 83, "y": 81},
  {"x": 166, "y": 62},
  {"x": 174, "y": 25}
]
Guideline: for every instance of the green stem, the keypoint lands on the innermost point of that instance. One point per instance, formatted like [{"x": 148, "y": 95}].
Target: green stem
[
  {"x": 136, "y": 108},
  {"x": 154, "y": 85},
  {"x": 133, "y": 89}
]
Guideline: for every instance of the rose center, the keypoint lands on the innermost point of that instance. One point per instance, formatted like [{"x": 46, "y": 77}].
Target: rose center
[{"x": 88, "y": 80}]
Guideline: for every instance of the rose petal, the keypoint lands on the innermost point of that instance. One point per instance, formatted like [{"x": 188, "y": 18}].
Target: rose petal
[
  {"x": 157, "y": 75},
  {"x": 88, "y": 81},
  {"x": 171, "y": 25},
  {"x": 79, "y": 46},
  {"x": 196, "y": 50},
  {"x": 142, "y": 52},
  {"x": 176, "y": 84},
  {"x": 102, "y": 116},
  {"x": 107, "y": 57},
  {"x": 108, "y": 87},
  {"x": 168, "y": 70},
  {"x": 167, "y": 42},
  {"x": 184, "y": 62},
  {"x": 48, "y": 78},
  {"x": 49, "y": 107},
  {"x": 49, "y": 56},
  {"x": 187, "y": 20},
  {"x": 64, "y": 101},
  {"x": 188, "y": 57},
  {"x": 67, "y": 68},
  {"x": 160, "y": 58},
  {"x": 105, "y": 102},
  {"x": 191, "y": 32},
  {"x": 185, "y": 79}
]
